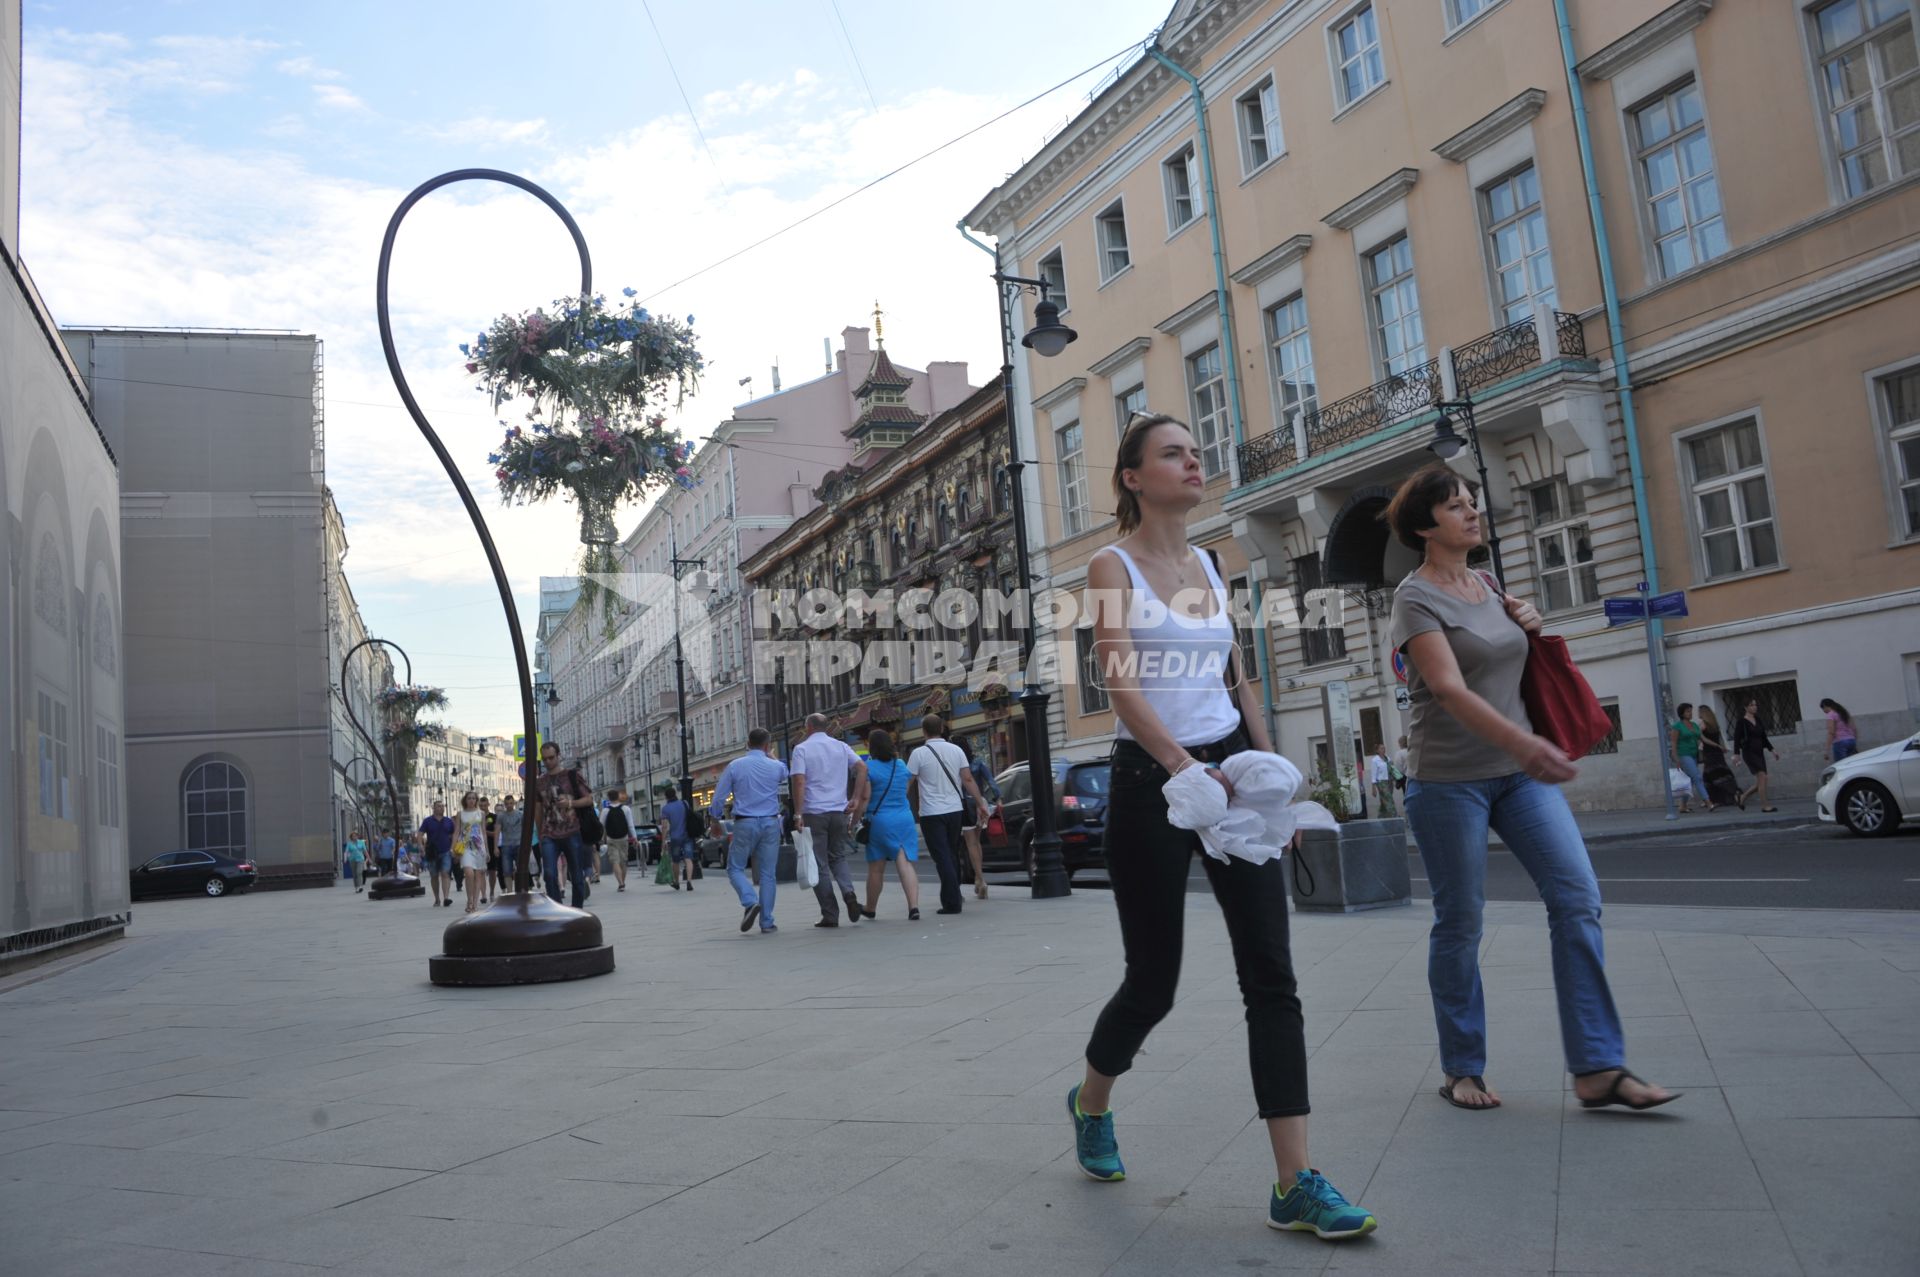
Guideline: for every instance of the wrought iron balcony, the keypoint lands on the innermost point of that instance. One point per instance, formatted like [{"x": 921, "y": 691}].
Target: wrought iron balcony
[{"x": 1479, "y": 363}]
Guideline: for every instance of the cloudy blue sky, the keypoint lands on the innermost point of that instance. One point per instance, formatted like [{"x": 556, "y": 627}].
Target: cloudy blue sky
[{"x": 234, "y": 165}]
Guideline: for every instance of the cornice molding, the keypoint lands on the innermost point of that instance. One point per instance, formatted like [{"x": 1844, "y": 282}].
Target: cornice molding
[
  {"x": 1667, "y": 25},
  {"x": 1060, "y": 393},
  {"x": 1273, "y": 260},
  {"x": 1381, "y": 194},
  {"x": 1491, "y": 127},
  {"x": 1191, "y": 313},
  {"x": 1107, "y": 365}
]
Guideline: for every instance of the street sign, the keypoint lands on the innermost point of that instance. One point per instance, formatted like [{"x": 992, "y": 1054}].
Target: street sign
[
  {"x": 520, "y": 745},
  {"x": 1673, "y": 604},
  {"x": 1624, "y": 611},
  {"x": 1399, "y": 665},
  {"x": 1402, "y": 699}
]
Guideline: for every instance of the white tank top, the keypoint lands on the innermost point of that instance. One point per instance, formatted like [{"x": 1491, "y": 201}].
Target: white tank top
[{"x": 1181, "y": 660}]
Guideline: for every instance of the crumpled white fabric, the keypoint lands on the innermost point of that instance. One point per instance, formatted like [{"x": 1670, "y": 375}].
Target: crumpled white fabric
[{"x": 1259, "y": 822}]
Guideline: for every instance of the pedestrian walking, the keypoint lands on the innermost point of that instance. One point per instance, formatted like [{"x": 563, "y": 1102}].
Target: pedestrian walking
[
  {"x": 974, "y": 815},
  {"x": 674, "y": 815},
  {"x": 1722, "y": 789},
  {"x": 436, "y": 853},
  {"x": 618, "y": 823},
  {"x": 495, "y": 881},
  {"x": 357, "y": 861},
  {"x": 383, "y": 851},
  {"x": 1751, "y": 742},
  {"x": 753, "y": 781},
  {"x": 560, "y": 796},
  {"x": 1380, "y": 777},
  {"x": 472, "y": 839},
  {"x": 938, "y": 786},
  {"x": 1683, "y": 746},
  {"x": 829, "y": 786},
  {"x": 890, "y": 833},
  {"x": 1476, "y": 763},
  {"x": 1174, "y": 713},
  {"x": 510, "y": 826},
  {"x": 1842, "y": 740},
  {"x": 1399, "y": 761}
]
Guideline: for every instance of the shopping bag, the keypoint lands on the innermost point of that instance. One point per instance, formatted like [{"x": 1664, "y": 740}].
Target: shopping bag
[
  {"x": 663, "y": 876},
  {"x": 806, "y": 870}
]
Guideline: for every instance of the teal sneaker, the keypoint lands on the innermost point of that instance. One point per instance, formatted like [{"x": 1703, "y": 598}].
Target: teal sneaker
[
  {"x": 1314, "y": 1206},
  {"x": 1093, "y": 1142}
]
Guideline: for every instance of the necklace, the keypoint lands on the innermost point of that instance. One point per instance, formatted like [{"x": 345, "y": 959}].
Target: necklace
[
  {"x": 1463, "y": 589},
  {"x": 1179, "y": 571}
]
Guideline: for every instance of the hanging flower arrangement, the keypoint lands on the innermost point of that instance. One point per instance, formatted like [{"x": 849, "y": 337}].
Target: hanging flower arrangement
[
  {"x": 409, "y": 735},
  {"x": 595, "y": 378},
  {"x": 410, "y": 700}
]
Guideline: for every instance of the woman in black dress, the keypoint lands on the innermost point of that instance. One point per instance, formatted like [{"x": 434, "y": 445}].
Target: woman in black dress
[
  {"x": 1750, "y": 741},
  {"x": 1721, "y": 786}
]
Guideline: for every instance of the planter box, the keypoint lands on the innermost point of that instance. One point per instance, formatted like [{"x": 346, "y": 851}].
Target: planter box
[{"x": 1363, "y": 866}]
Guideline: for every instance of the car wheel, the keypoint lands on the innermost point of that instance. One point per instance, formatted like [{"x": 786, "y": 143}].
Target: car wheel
[
  {"x": 1868, "y": 809},
  {"x": 216, "y": 886}
]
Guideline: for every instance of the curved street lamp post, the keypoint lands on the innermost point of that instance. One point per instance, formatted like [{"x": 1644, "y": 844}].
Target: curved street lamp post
[{"x": 399, "y": 882}]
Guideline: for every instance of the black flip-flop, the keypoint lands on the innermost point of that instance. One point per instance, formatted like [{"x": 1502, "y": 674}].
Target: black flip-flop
[
  {"x": 1446, "y": 1093},
  {"x": 1613, "y": 1095}
]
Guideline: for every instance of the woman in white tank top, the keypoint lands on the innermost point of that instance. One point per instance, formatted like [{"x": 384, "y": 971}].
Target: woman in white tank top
[{"x": 1165, "y": 639}]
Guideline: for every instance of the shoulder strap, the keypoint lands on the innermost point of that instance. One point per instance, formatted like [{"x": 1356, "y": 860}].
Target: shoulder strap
[{"x": 951, "y": 778}]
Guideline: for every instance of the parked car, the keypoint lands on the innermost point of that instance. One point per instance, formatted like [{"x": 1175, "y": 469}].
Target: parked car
[
  {"x": 1080, "y": 817},
  {"x": 648, "y": 835},
  {"x": 1873, "y": 791},
  {"x": 177, "y": 873}
]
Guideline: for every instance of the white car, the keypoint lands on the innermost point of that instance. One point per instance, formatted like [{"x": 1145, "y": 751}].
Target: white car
[{"x": 1873, "y": 791}]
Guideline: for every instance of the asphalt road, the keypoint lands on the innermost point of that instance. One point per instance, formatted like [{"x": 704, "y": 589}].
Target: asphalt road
[{"x": 1812, "y": 866}]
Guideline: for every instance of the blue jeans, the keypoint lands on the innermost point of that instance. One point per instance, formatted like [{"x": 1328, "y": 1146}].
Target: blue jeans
[
  {"x": 1691, "y": 766},
  {"x": 758, "y": 836},
  {"x": 1844, "y": 749},
  {"x": 1450, "y": 822},
  {"x": 576, "y": 866}
]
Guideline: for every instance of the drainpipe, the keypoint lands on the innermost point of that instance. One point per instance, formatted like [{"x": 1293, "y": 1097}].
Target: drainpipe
[
  {"x": 1623, "y": 382},
  {"x": 1229, "y": 343}
]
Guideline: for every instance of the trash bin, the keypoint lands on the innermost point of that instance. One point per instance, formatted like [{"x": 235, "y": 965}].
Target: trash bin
[{"x": 1362, "y": 865}]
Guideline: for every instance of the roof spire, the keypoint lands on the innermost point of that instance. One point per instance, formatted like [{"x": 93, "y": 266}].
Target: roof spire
[{"x": 879, "y": 333}]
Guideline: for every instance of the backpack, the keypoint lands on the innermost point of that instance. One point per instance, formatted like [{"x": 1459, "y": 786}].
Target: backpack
[{"x": 617, "y": 826}]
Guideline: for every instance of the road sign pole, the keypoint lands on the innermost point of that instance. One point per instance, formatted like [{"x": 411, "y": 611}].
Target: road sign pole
[{"x": 1659, "y": 705}]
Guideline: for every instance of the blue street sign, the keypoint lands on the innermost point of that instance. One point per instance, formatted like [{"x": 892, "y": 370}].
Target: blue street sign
[
  {"x": 1625, "y": 611},
  {"x": 1674, "y": 604},
  {"x": 1640, "y": 587}
]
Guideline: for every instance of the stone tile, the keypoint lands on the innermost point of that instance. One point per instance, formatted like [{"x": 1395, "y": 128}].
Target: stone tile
[
  {"x": 1749, "y": 993},
  {"x": 1768, "y": 1033},
  {"x": 1686, "y": 1153},
  {"x": 1852, "y": 986},
  {"x": 1901, "y": 1072},
  {"x": 1830, "y": 1180},
  {"x": 1593, "y": 1238},
  {"x": 431, "y": 1141},
  {"x": 1761, "y": 1088},
  {"x": 555, "y": 1203},
  {"x": 1876, "y": 1032},
  {"x": 679, "y": 1235},
  {"x": 1215, "y": 1239}
]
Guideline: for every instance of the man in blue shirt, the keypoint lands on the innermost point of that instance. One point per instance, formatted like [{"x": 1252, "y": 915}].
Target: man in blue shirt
[
  {"x": 680, "y": 849},
  {"x": 436, "y": 833},
  {"x": 753, "y": 781}
]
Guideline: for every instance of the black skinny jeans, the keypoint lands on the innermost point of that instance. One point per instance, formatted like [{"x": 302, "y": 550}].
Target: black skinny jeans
[{"x": 1147, "y": 861}]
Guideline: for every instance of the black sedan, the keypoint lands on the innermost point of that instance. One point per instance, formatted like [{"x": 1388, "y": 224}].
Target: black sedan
[
  {"x": 179, "y": 873},
  {"x": 1080, "y": 815}
]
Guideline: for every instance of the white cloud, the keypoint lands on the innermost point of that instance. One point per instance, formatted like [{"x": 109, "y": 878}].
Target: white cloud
[
  {"x": 335, "y": 97},
  {"x": 485, "y": 130},
  {"x": 305, "y": 68}
]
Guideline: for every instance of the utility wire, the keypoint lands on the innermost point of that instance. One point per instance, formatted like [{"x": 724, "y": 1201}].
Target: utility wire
[
  {"x": 674, "y": 72},
  {"x": 848, "y": 36}
]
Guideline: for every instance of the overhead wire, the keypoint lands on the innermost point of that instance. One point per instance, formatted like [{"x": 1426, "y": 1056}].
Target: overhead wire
[
  {"x": 687, "y": 101},
  {"x": 857, "y": 66}
]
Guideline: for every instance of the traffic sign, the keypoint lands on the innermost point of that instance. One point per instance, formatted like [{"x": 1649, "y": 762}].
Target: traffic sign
[
  {"x": 1399, "y": 665},
  {"x": 1402, "y": 699},
  {"x": 1673, "y": 604},
  {"x": 1624, "y": 611}
]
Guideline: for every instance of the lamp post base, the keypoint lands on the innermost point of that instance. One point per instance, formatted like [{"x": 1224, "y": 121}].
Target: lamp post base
[
  {"x": 523, "y": 938},
  {"x": 395, "y": 886}
]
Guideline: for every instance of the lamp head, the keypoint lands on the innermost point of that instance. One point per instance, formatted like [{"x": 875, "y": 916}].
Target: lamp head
[
  {"x": 1048, "y": 336},
  {"x": 553, "y": 696},
  {"x": 1446, "y": 443}
]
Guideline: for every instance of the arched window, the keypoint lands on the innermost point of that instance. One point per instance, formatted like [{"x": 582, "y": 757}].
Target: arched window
[
  {"x": 943, "y": 522},
  {"x": 1002, "y": 490},
  {"x": 214, "y": 799}
]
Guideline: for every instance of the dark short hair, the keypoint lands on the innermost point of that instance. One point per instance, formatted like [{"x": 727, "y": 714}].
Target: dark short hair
[
  {"x": 933, "y": 725},
  {"x": 549, "y": 745},
  {"x": 880, "y": 745},
  {"x": 758, "y": 738},
  {"x": 1411, "y": 511},
  {"x": 1683, "y": 707},
  {"x": 672, "y": 795},
  {"x": 1131, "y": 456}
]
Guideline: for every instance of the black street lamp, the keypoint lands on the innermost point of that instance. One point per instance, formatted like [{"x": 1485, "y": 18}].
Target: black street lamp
[
  {"x": 680, "y": 667},
  {"x": 1446, "y": 445},
  {"x": 1047, "y": 338},
  {"x": 399, "y": 882}
]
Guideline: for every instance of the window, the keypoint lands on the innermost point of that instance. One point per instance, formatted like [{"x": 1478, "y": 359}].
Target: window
[
  {"x": 1356, "y": 54},
  {"x": 1517, "y": 237},
  {"x": 1562, "y": 547},
  {"x": 1260, "y": 139},
  {"x": 1779, "y": 707},
  {"x": 1676, "y": 171},
  {"x": 215, "y": 799},
  {"x": 1239, "y": 588},
  {"x": 1127, "y": 404},
  {"x": 1111, "y": 228},
  {"x": 1207, "y": 386},
  {"x": 1093, "y": 687},
  {"x": 1461, "y": 12},
  {"x": 1053, "y": 273},
  {"x": 106, "y": 752},
  {"x": 1396, "y": 306},
  {"x": 1900, "y": 404},
  {"x": 1320, "y": 642},
  {"x": 1610, "y": 743},
  {"x": 1870, "y": 74},
  {"x": 1002, "y": 494},
  {"x": 1182, "y": 177},
  {"x": 1290, "y": 355},
  {"x": 1732, "y": 500},
  {"x": 1073, "y": 478},
  {"x": 56, "y": 772}
]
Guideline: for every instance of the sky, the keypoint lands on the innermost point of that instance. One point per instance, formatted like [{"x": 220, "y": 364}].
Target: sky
[{"x": 234, "y": 165}]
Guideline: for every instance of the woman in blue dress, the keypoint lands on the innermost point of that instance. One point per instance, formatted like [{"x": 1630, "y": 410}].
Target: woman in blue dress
[{"x": 893, "y": 834}]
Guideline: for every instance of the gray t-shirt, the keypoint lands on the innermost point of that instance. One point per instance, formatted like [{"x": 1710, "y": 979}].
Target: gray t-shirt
[{"x": 1491, "y": 652}]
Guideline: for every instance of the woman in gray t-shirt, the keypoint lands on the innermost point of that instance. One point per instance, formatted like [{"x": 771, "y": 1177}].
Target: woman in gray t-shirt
[{"x": 1474, "y": 763}]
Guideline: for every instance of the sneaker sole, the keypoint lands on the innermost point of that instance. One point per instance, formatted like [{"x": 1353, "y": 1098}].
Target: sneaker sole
[
  {"x": 1301, "y": 1226},
  {"x": 1073, "y": 1114}
]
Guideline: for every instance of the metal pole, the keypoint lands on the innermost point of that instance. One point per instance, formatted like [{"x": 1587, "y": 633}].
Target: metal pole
[
  {"x": 1659, "y": 702},
  {"x": 680, "y": 663},
  {"x": 1049, "y": 871},
  {"x": 1486, "y": 493}
]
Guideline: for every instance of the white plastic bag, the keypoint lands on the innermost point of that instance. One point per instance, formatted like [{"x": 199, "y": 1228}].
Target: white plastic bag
[
  {"x": 1679, "y": 783},
  {"x": 806, "y": 870}
]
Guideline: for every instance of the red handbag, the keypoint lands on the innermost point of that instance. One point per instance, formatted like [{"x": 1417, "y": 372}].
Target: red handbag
[{"x": 1560, "y": 702}]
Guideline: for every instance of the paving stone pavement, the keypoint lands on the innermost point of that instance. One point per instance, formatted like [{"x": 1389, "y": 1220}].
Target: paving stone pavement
[{"x": 268, "y": 1084}]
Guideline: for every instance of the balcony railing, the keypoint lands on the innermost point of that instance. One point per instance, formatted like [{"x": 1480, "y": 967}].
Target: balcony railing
[{"x": 1481, "y": 362}]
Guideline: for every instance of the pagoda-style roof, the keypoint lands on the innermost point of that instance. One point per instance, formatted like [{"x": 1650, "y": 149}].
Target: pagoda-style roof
[{"x": 882, "y": 374}]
